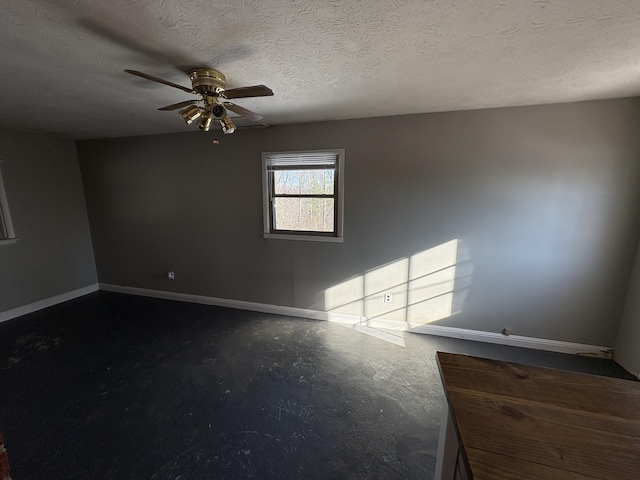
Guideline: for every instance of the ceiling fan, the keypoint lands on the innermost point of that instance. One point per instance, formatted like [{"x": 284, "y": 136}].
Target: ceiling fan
[{"x": 210, "y": 85}]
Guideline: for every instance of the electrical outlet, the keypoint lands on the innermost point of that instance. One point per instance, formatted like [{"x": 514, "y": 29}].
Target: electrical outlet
[
  {"x": 386, "y": 298},
  {"x": 171, "y": 275}
]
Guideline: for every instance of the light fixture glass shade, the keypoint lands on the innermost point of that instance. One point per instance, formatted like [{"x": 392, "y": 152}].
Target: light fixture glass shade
[
  {"x": 190, "y": 113},
  {"x": 204, "y": 123},
  {"x": 227, "y": 125}
]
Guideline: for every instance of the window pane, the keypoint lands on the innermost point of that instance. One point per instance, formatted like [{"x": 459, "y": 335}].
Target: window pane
[
  {"x": 306, "y": 182},
  {"x": 304, "y": 214}
]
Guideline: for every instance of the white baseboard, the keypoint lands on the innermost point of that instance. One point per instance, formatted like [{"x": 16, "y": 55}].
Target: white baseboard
[
  {"x": 145, "y": 292},
  {"x": 626, "y": 365},
  {"x": 437, "y": 330},
  {"x": 47, "y": 302},
  {"x": 237, "y": 304},
  {"x": 517, "y": 341}
]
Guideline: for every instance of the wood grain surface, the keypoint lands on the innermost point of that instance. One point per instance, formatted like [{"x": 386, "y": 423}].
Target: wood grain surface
[{"x": 519, "y": 421}]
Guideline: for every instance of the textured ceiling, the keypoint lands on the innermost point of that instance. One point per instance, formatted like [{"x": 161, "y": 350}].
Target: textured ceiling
[{"x": 62, "y": 61}]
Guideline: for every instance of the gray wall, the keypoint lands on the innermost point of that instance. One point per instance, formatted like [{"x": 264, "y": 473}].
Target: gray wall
[
  {"x": 627, "y": 346},
  {"x": 543, "y": 202},
  {"x": 53, "y": 254}
]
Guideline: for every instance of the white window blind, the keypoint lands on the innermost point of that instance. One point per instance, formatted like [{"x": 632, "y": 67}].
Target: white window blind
[{"x": 301, "y": 160}]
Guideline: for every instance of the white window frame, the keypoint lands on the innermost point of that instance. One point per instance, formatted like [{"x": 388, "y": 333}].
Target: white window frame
[
  {"x": 7, "y": 233},
  {"x": 337, "y": 235}
]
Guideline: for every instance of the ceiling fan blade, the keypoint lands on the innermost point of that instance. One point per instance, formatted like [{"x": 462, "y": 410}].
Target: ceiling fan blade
[
  {"x": 244, "y": 92},
  {"x": 176, "y": 106},
  {"x": 243, "y": 112},
  {"x": 159, "y": 80}
]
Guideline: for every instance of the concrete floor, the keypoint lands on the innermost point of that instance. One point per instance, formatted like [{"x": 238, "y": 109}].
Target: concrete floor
[{"x": 117, "y": 386}]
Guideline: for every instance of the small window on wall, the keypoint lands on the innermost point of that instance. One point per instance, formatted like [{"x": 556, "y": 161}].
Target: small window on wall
[
  {"x": 303, "y": 195},
  {"x": 6, "y": 227}
]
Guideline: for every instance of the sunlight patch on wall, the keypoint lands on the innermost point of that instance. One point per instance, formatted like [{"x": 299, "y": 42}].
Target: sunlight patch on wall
[{"x": 420, "y": 289}]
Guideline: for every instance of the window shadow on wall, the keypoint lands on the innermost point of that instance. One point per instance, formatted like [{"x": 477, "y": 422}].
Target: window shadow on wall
[{"x": 405, "y": 294}]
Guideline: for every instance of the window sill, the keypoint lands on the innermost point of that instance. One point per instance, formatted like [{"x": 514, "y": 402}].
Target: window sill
[
  {"x": 307, "y": 238},
  {"x": 7, "y": 241}
]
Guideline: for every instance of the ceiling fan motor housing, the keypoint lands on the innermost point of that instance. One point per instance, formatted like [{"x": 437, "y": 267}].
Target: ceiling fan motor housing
[{"x": 207, "y": 81}]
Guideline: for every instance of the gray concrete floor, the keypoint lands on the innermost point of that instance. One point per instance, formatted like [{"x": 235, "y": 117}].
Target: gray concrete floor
[{"x": 117, "y": 386}]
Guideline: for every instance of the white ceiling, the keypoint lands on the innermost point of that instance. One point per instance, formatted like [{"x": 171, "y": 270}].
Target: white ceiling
[{"x": 62, "y": 61}]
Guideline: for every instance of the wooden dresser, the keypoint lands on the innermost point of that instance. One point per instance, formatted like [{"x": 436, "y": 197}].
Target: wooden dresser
[{"x": 509, "y": 421}]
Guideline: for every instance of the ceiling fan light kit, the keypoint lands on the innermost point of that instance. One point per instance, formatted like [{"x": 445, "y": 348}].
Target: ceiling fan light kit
[
  {"x": 227, "y": 125},
  {"x": 190, "y": 114},
  {"x": 204, "y": 123},
  {"x": 211, "y": 84},
  {"x": 218, "y": 111}
]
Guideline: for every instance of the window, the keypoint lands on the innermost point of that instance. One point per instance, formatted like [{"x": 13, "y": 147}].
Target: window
[
  {"x": 6, "y": 227},
  {"x": 303, "y": 195}
]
